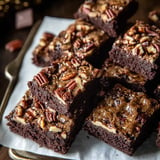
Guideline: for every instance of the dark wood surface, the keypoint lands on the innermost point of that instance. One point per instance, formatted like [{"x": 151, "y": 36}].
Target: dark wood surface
[{"x": 57, "y": 8}]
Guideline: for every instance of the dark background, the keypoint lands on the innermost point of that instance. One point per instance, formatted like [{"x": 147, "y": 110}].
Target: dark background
[{"x": 56, "y": 8}]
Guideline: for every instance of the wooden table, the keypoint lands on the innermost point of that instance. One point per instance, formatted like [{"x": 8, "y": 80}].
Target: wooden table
[{"x": 57, "y": 8}]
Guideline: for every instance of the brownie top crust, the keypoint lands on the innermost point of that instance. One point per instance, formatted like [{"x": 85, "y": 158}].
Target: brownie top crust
[
  {"x": 107, "y": 10},
  {"x": 80, "y": 38},
  {"x": 30, "y": 111},
  {"x": 124, "y": 112},
  {"x": 66, "y": 78},
  {"x": 112, "y": 70},
  {"x": 141, "y": 40}
]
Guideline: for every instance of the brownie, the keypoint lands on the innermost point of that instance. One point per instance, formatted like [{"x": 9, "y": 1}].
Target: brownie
[
  {"x": 154, "y": 17},
  {"x": 67, "y": 85},
  {"x": 114, "y": 73},
  {"x": 40, "y": 55},
  {"x": 32, "y": 119},
  {"x": 124, "y": 118},
  {"x": 138, "y": 49},
  {"x": 83, "y": 40},
  {"x": 108, "y": 15}
]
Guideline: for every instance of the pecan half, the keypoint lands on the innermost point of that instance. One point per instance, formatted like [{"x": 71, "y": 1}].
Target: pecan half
[
  {"x": 50, "y": 116},
  {"x": 71, "y": 85},
  {"x": 110, "y": 14},
  {"x": 68, "y": 75},
  {"x": 41, "y": 79}
]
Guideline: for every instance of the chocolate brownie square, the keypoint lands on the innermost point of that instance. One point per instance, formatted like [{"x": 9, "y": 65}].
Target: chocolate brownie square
[
  {"x": 40, "y": 55},
  {"x": 114, "y": 73},
  {"x": 138, "y": 49},
  {"x": 124, "y": 118},
  {"x": 83, "y": 40},
  {"x": 108, "y": 15},
  {"x": 68, "y": 84},
  {"x": 32, "y": 119}
]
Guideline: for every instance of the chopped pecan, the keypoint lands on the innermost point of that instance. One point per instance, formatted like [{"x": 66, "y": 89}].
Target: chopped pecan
[
  {"x": 89, "y": 46},
  {"x": 66, "y": 96},
  {"x": 41, "y": 79},
  {"x": 110, "y": 14},
  {"x": 37, "y": 104},
  {"x": 63, "y": 135},
  {"x": 68, "y": 75},
  {"x": 23, "y": 104},
  {"x": 76, "y": 62},
  {"x": 151, "y": 32},
  {"x": 157, "y": 46},
  {"x": 19, "y": 111},
  {"x": 50, "y": 116},
  {"x": 71, "y": 85},
  {"x": 41, "y": 122},
  {"x": 55, "y": 129},
  {"x": 30, "y": 113},
  {"x": 62, "y": 69},
  {"x": 77, "y": 43}
]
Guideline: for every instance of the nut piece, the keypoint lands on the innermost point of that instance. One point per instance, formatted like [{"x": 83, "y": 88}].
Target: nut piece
[
  {"x": 14, "y": 45},
  {"x": 63, "y": 135},
  {"x": 41, "y": 122},
  {"x": 20, "y": 120},
  {"x": 41, "y": 79},
  {"x": 55, "y": 129},
  {"x": 19, "y": 111},
  {"x": 50, "y": 116}
]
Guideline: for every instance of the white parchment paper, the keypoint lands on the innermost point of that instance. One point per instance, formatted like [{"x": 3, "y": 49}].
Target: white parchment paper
[{"x": 85, "y": 147}]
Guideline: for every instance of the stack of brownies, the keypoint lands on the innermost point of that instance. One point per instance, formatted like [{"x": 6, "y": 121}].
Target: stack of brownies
[{"x": 79, "y": 69}]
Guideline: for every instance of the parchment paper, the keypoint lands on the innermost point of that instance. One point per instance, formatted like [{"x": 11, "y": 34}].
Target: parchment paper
[{"x": 85, "y": 147}]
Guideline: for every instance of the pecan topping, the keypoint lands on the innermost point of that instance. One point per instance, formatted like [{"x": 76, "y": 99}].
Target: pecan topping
[
  {"x": 151, "y": 32},
  {"x": 41, "y": 122},
  {"x": 110, "y": 14},
  {"x": 66, "y": 96},
  {"x": 76, "y": 62},
  {"x": 41, "y": 79},
  {"x": 143, "y": 40},
  {"x": 19, "y": 111},
  {"x": 30, "y": 113},
  {"x": 71, "y": 85},
  {"x": 23, "y": 104},
  {"x": 89, "y": 46},
  {"x": 55, "y": 129},
  {"x": 37, "y": 104},
  {"x": 157, "y": 47},
  {"x": 68, "y": 76},
  {"x": 50, "y": 116}
]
